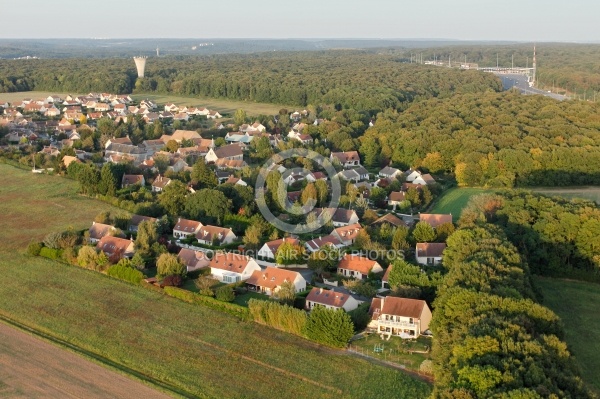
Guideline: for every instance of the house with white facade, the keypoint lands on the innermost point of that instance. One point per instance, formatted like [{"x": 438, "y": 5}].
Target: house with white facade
[
  {"x": 357, "y": 267},
  {"x": 402, "y": 317},
  {"x": 269, "y": 249},
  {"x": 330, "y": 300},
  {"x": 215, "y": 235},
  {"x": 347, "y": 159},
  {"x": 269, "y": 281},
  {"x": 193, "y": 260},
  {"x": 347, "y": 234},
  {"x": 185, "y": 227},
  {"x": 429, "y": 253},
  {"x": 160, "y": 183},
  {"x": 228, "y": 267}
]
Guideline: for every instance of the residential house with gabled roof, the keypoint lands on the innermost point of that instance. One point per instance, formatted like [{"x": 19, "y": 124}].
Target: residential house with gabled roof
[
  {"x": 411, "y": 175},
  {"x": 152, "y": 146},
  {"x": 270, "y": 280},
  {"x": 180, "y": 135},
  {"x": 235, "y": 164},
  {"x": 435, "y": 219},
  {"x": 318, "y": 243},
  {"x": 170, "y": 107},
  {"x": 99, "y": 230},
  {"x": 396, "y": 197},
  {"x": 186, "y": 227},
  {"x": 339, "y": 216},
  {"x": 215, "y": 235},
  {"x": 193, "y": 260},
  {"x": 235, "y": 181},
  {"x": 160, "y": 183},
  {"x": 408, "y": 186},
  {"x": 330, "y": 299},
  {"x": 228, "y": 267},
  {"x": 347, "y": 159},
  {"x": 148, "y": 104},
  {"x": 115, "y": 246},
  {"x": 232, "y": 152},
  {"x": 131, "y": 180},
  {"x": 119, "y": 140},
  {"x": 357, "y": 267},
  {"x": 347, "y": 234},
  {"x": 429, "y": 253},
  {"x": 390, "y": 219},
  {"x": 389, "y": 172},
  {"x": 402, "y": 317},
  {"x": 136, "y": 220},
  {"x": 214, "y": 115},
  {"x": 68, "y": 159},
  {"x": 424, "y": 180},
  {"x": 269, "y": 249}
]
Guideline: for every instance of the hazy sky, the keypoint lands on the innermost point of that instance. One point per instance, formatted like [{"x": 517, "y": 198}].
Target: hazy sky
[{"x": 522, "y": 20}]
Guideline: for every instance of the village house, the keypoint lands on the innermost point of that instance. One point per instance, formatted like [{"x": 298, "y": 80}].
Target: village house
[
  {"x": 235, "y": 181},
  {"x": 396, "y": 197},
  {"x": 228, "y": 267},
  {"x": 160, "y": 183},
  {"x": 214, "y": 115},
  {"x": 180, "y": 135},
  {"x": 347, "y": 234},
  {"x": 131, "y": 180},
  {"x": 354, "y": 175},
  {"x": 235, "y": 164},
  {"x": 435, "y": 219},
  {"x": 68, "y": 159},
  {"x": 339, "y": 216},
  {"x": 402, "y": 317},
  {"x": 135, "y": 221},
  {"x": 347, "y": 159},
  {"x": 115, "y": 246},
  {"x": 99, "y": 230},
  {"x": 390, "y": 219},
  {"x": 330, "y": 300},
  {"x": 215, "y": 235},
  {"x": 269, "y": 249},
  {"x": 193, "y": 260},
  {"x": 269, "y": 281},
  {"x": 317, "y": 243},
  {"x": 357, "y": 267},
  {"x": 389, "y": 172},
  {"x": 424, "y": 180},
  {"x": 185, "y": 227},
  {"x": 429, "y": 253},
  {"x": 232, "y": 152}
]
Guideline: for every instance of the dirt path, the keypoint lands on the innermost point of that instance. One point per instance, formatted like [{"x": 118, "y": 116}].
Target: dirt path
[{"x": 33, "y": 368}]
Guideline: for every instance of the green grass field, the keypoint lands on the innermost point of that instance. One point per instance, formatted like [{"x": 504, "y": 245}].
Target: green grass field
[
  {"x": 576, "y": 303},
  {"x": 454, "y": 200},
  {"x": 201, "y": 352},
  {"x": 588, "y": 193}
]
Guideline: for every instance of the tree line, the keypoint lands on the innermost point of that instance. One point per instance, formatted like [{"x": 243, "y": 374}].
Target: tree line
[{"x": 491, "y": 339}]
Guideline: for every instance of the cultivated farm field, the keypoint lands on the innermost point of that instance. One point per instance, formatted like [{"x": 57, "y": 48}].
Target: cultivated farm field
[
  {"x": 197, "y": 351},
  {"x": 20, "y": 95},
  {"x": 576, "y": 302},
  {"x": 588, "y": 193}
]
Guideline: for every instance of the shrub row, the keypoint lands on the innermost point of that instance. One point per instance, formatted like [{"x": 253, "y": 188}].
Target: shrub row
[
  {"x": 125, "y": 273},
  {"x": 194, "y": 298}
]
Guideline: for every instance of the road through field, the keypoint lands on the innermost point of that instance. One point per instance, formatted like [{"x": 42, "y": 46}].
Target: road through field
[{"x": 33, "y": 368}]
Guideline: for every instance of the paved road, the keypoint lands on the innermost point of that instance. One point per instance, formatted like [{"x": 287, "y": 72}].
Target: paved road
[
  {"x": 520, "y": 82},
  {"x": 33, "y": 368}
]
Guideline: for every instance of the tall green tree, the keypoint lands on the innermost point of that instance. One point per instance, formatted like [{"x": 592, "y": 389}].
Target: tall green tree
[
  {"x": 202, "y": 175},
  {"x": 208, "y": 205},
  {"x": 423, "y": 232},
  {"x": 329, "y": 327},
  {"x": 173, "y": 198},
  {"x": 168, "y": 265}
]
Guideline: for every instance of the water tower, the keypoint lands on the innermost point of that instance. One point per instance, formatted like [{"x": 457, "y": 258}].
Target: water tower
[{"x": 140, "y": 64}]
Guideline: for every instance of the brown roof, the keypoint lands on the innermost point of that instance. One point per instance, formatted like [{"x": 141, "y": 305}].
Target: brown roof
[
  {"x": 137, "y": 219},
  {"x": 67, "y": 159},
  {"x": 356, "y": 263},
  {"x": 398, "y": 306},
  {"x": 132, "y": 179},
  {"x": 274, "y": 245},
  {"x": 161, "y": 181},
  {"x": 397, "y": 196},
  {"x": 230, "y": 163},
  {"x": 179, "y": 135},
  {"x": 406, "y": 186},
  {"x": 348, "y": 232},
  {"x": 229, "y": 261},
  {"x": 110, "y": 245},
  {"x": 428, "y": 178},
  {"x": 187, "y": 225},
  {"x": 435, "y": 219},
  {"x": 121, "y": 140},
  {"x": 327, "y": 297},
  {"x": 319, "y": 242},
  {"x": 228, "y": 151},
  {"x": 340, "y": 215},
  {"x": 272, "y": 277},
  {"x": 190, "y": 258},
  {"x": 391, "y": 219},
  {"x": 211, "y": 233},
  {"x": 386, "y": 275},
  {"x": 430, "y": 249},
  {"x": 346, "y": 156},
  {"x": 99, "y": 230}
]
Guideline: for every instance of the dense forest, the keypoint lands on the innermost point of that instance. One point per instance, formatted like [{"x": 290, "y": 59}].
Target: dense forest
[
  {"x": 345, "y": 79},
  {"x": 495, "y": 139}
]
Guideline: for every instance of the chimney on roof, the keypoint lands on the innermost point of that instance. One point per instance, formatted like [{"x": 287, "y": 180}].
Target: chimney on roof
[{"x": 320, "y": 290}]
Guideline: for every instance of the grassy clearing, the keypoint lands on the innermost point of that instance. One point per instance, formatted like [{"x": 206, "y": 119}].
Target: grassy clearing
[
  {"x": 576, "y": 303},
  {"x": 243, "y": 299},
  {"x": 198, "y": 350},
  {"x": 454, "y": 200},
  {"x": 588, "y": 193},
  {"x": 221, "y": 105},
  {"x": 396, "y": 350}
]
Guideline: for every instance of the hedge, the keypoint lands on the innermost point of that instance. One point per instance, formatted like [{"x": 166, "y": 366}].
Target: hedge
[
  {"x": 125, "y": 273},
  {"x": 191, "y": 297},
  {"x": 54, "y": 254}
]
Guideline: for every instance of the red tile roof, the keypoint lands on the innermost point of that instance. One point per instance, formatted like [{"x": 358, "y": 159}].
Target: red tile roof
[
  {"x": 272, "y": 277},
  {"x": 327, "y": 297},
  {"x": 356, "y": 263}
]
